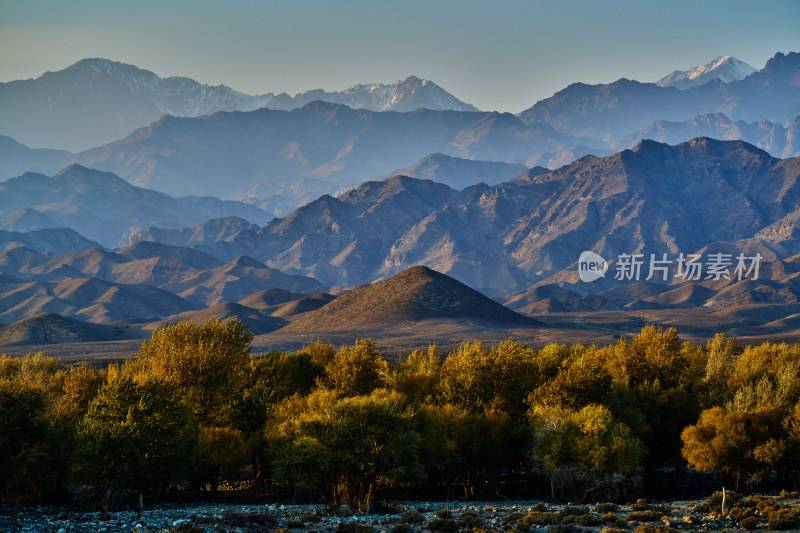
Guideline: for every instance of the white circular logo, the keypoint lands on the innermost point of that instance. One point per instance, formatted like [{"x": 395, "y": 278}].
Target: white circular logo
[{"x": 591, "y": 266}]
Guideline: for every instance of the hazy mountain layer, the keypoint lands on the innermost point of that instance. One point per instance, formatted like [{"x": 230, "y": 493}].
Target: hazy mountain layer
[
  {"x": 96, "y": 101},
  {"x": 103, "y": 207},
  {"x": 229, "y": 152},
  {"x": 610, "y": 112}
]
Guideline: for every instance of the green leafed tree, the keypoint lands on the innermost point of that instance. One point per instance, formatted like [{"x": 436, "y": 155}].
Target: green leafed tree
[
  {"x": 136, "y": 435},
  {"x": 220, "y": 453},
  {"x": 26, "y": 445},
  {"x": 360, "y": 441},
  {"x": 583, "y": 451}
]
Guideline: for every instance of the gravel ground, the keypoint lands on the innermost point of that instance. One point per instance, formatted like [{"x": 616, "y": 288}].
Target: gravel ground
[{"x": 411, "y": 516}]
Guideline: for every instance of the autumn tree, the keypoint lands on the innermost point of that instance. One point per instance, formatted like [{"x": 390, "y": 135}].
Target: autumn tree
[
  {"x": 354, "y": 443},
  {"x": 204, "y": 362},
  {"x": 356, "y": 370},
  {"x": 583, "y": 451},
  {"x": 475, "y": 378},
  {"x": 266, "y": 380},
  {"x": 418, "y": 376},
  {"x": 741, "y": 444}
]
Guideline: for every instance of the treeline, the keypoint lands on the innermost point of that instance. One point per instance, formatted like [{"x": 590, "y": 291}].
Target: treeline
[{"x": 194, "y": 407}]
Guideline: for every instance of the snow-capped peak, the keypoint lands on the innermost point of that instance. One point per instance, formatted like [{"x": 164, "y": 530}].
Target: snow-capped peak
[
  {"x": 726, "y": 68},
  {"x": 403, "y": 95}
]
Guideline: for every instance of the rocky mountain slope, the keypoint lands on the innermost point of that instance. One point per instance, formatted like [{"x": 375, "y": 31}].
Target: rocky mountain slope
[
  {"x": 190, "y": 274},
  {"x": 655, "y": 197}
]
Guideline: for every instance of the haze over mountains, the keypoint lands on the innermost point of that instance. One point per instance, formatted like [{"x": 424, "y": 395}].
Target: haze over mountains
[
  {"x": 610, "y": 112},
  {"x": 329, "y": 142},
  {"x": 96, "y": 101},
  {"x": 703, "y": 162},
  {"x": 103, "y": 207}
]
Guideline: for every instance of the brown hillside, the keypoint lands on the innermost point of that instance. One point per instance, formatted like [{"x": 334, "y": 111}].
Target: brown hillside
[
  {"x": 415, "y": 294},
  {"x": 51, "y": 328}
]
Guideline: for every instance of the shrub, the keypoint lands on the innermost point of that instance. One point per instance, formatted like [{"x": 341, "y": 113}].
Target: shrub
[
  {"x": 644, "y": 516},
  {"x": 536, "y": 518},
  {"x": 649, "y": 528},
  {"x": 606, "y": 508},
  {"x": 412, "y": 516},
  {"x": 443, "y": 524},
  {"x": 471, "y": 521},
  {"x": 514, "y": 517},
  {"x": 749, "y": 523},
  {"x": 587, "y": 520},
  {"x": 641, "y": 505}
]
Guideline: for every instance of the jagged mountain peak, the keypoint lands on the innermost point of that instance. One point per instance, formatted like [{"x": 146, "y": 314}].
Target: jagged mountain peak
[
  {"x": 723, "y": 68},
  {"x": 403, "y": 95}
]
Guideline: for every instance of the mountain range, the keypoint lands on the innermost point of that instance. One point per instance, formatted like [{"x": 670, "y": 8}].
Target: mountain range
[
  {"x": 96, "y": 101},
  {"x": 103, "y": 207},
  {"x": 654, "y": 197},
  {"x": 609, "y": 112},
  {"x": 227, "y": 154}
]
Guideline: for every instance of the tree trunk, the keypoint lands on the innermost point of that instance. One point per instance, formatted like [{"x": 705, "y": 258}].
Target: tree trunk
[
  {"x": 104, "y": 505},
  {"x": 552, "y": 488},
  {"x": 14, "y": 512},
  {"x": 140, "y": 504},
  {"x": 369, "y": 504}
]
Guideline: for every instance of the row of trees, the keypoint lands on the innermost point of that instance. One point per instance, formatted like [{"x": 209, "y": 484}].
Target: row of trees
[{"x": 194, "y": 406}]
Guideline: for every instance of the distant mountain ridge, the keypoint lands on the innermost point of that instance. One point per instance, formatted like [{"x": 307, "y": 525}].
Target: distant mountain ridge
[
  {"x": 780, "y": 141},
  {"x": 16, "y": 159},
  {"x": 96, "y": 101},
  {"x": 609, "y": 112},
  {"x": 104, "y": 207},
  {"x": 227, "y": 154},
  {"x": 403, "y": 95}
]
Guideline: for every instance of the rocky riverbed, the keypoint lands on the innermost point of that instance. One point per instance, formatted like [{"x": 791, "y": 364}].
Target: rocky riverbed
[{"x": 753, "y": 513}]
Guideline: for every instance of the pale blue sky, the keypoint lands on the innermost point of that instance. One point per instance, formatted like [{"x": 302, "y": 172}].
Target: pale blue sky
[{"x": 502, "y": 55}]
